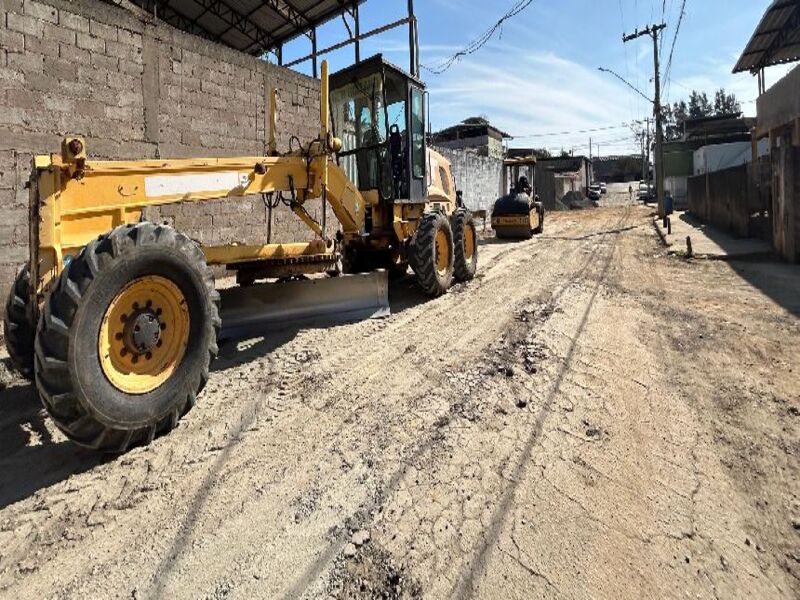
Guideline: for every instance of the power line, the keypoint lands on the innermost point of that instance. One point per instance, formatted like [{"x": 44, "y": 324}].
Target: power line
[
  {"x": 668, "y": 70},
  {"x": 579, "y": 131},
  {"x": 481, "y": 41},
  {"x": 625, "y": 81}
]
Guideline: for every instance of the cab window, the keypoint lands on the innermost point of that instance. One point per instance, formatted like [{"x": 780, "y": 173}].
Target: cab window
[
  {"x": 417, "y": 134},
  {"x": 445, "y": 181}
]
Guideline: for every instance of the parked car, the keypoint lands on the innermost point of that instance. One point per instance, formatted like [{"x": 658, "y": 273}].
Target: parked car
[
  {"x": 594, "y": 192},
  {"x": 645, "y": 192},
  {"x": 603, "y": 188}
]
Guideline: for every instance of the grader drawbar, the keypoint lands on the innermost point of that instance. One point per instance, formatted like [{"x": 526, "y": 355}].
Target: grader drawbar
[{"x": 117, "y": 318}]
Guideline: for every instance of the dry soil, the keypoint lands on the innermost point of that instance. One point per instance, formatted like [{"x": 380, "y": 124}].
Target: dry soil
[{"x": 590, "y": 417}]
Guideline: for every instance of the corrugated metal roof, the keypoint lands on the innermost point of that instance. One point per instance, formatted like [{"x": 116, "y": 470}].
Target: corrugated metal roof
[
  {"x": 251, "y": 26},
  {"x": 776, "y": 39}
]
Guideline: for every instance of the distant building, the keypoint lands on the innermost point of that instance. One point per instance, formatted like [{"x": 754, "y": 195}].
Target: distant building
[
  {"x": 712, "y": 134},
  {"x": 618, "y": 169},
  {"x": 476, "y": 134},
  {"x": 580, "y": 167}
]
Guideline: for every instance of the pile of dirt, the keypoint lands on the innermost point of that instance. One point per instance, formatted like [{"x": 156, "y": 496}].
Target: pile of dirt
[{"x": 576, "y": 201}]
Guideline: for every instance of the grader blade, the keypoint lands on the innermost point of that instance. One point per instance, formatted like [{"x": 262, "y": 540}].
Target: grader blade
[{"x": 326, "y": 301}]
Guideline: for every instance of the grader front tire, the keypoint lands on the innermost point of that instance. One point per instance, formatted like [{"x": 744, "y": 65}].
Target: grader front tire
[
  {"x": 18, "y": 326},
  {"x": 433, "y": 259},
  {"x": 465, "y": 242},
  {"x": 126, "y": 337}
]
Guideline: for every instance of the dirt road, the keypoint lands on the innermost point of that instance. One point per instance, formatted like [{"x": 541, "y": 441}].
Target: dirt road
[{"x": 589, "y": 418}]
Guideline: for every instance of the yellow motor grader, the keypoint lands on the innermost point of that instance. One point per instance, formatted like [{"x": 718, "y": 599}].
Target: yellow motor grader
[{"x": 118, "y": 318}]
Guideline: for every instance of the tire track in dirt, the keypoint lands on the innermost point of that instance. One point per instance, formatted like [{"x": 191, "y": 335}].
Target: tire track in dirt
[
  {"x": 475, "y": 569},
  {"x": 221, "y": 440},
  {"x": 435, "y": 436}
]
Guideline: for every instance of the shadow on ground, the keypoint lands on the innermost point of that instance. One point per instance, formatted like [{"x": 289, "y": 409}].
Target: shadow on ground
[
  {"x": 32, "y": 459},
  {"x": 762, "y": 269},
  {"x": 780, "y": 281}
]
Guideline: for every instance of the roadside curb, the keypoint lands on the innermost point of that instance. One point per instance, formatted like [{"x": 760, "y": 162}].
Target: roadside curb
[{"x": 661, "y": 233}]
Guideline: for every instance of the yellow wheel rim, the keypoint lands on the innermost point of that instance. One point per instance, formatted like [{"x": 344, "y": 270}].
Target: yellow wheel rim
[
  {"x": 144, "y": 335},
  {"x": 442, "y": 252},
  {"x": 469, "y": 241}
]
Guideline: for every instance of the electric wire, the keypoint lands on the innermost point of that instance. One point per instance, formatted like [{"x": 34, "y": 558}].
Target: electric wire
[{"x": 481, "y": 41}]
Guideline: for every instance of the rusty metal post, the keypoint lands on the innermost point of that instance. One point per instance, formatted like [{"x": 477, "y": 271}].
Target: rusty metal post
[{"x": 357, "y": 20}]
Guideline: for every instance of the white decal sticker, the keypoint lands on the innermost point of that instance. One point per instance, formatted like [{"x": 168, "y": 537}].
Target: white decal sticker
[{"x": 176, "y": 185}]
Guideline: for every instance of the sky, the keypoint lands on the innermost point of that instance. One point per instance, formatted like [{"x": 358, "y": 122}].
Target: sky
[{"x": 539, "y": 74}]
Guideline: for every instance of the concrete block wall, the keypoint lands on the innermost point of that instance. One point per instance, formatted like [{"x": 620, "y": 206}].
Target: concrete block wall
[
  {"x": 137, "y": 88},
  {"x": 480, "y": 178},
  {"x": 785, "y": 158},
  {"x": 724, "y": 198}
]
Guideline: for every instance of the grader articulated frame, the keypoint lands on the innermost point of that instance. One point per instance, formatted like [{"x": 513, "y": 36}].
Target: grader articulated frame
[{"x": 118, "y": 318}]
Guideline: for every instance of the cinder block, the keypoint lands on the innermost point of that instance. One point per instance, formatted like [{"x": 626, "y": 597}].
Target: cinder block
[
  {"x": 13, "y": 41},
  {"x": 74, "y": 21},
  {"x": 40, "y": 11},
  {"x": 27, "y": 62},
  {"x": 109, "y": 63},
  {"x": 58, "y": 33},
  {"x": 14, "y": 6},
  {"x": 91, "y": 42},
  {"x": 119, "y": 113},
  {"x": 124, "y": 51},
  {"x": 101, "y": 30},
  {"x": 25, "y": 24},
  {"x": 75, "y": 55},
  {"x": 132, "y": 38},
  {"x": 57, "y": 103},
  {"x": 42, "y": 45},
  {"x": 10, "y": 80},
  {"x": 59, "y": 68}
]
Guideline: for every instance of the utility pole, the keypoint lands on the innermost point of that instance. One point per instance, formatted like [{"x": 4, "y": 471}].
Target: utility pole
[
  {"x": 653, "y": 32},
  {"x": 647, "y": 153}
]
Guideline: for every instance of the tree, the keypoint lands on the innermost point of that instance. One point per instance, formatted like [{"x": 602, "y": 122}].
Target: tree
[
  {"x": 674, "y": 118},
  {"x": 726, "y": 104},
  {"x": 699, "y": 106},
  {"x": 542, "y": 153}
]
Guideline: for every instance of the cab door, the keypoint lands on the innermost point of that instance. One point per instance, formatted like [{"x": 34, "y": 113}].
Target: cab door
[{"x": 417, "y": 159}]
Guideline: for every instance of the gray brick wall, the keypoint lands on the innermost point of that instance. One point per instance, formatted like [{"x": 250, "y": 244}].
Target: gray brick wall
[
  {"x": 479, "y": 177},
  {"x": 136, "y": 89}
]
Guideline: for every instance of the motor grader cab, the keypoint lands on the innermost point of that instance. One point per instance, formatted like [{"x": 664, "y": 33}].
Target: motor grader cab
[
  {"x": 379, "y": 113},
  {"x": 117, "y": 318},
  {"x": 518, "y": 214}
]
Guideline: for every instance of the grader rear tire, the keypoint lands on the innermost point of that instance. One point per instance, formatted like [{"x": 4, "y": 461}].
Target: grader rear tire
[
  {"x": 126, "y": 337},
  {"x": 18, "y": 326},
  {"x": 433, "y": 260},
  {"x": 465, "y": 243}
]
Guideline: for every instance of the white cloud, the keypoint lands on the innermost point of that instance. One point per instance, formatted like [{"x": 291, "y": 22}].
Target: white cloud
[{"x": 536, "y": 93}]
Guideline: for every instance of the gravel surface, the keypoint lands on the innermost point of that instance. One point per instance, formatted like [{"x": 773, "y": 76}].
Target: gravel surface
[{"x": 588, "y": 418}]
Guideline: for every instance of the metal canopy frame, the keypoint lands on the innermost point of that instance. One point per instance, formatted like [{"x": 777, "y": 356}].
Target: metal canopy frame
[
  {"x": 267, "y": 25},
  {"x": 775, "y": 41}
]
